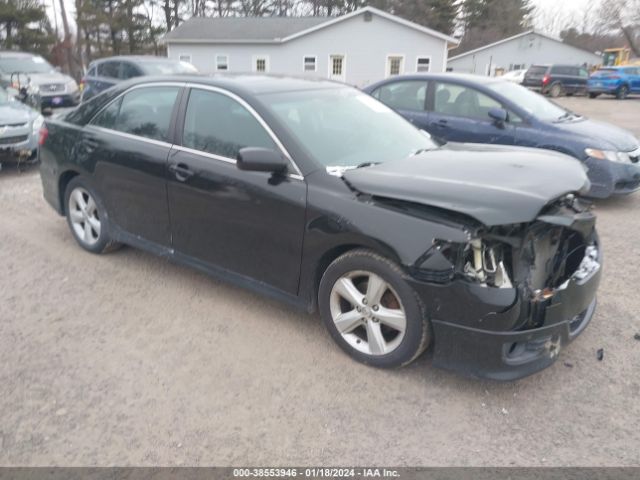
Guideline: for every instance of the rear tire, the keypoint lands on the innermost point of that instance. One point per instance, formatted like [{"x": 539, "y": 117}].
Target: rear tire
[
  {"x": 371, "y": 311},
  {"x": 555, "y": 90},
  {"x": 593, "y": 95},
  {"x": 87, "y": 218},
  {"x": 622, "y": 92}
]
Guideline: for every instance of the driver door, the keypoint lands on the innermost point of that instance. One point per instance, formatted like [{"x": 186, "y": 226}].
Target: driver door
[
  {"x": 248, "y": 223},
  {"x": 459, "y": 113}
]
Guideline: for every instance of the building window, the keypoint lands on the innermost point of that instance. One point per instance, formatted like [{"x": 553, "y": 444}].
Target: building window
[
  {"x": 261, "y": 63},
  {"x": 423, "y": 64},
  {"x": 222, "y": 62},
  {"x": 394, "y": 65},
  {"x": 336, "y": 65},
  {"x": 185, "y": 58},
  {"x": 309, "y": 64}
]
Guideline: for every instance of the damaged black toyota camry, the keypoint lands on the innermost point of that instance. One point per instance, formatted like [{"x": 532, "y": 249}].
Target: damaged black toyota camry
[{"x": 317, "y": 194}]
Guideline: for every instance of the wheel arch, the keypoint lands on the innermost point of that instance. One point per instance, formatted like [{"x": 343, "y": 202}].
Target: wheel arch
[
  {"x": 63, "y": 181},
  {"x": 310, "y": 285}
]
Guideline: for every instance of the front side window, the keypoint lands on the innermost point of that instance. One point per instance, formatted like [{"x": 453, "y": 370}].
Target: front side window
[
  {"x": 423, "y": 64},
  {"x": 407, "y": 95},
  {"x": 216, "y": 123},
  {"x": 145, "y": 112},
  {"x": 309, "y": 64},
  {"x": 461, "y": 101},
  {"x": 109, "y": 69},
  {"x": 222, "y": 62},
  {"x": 345, "y": 127},
  {"x": 129, "y": 71}
]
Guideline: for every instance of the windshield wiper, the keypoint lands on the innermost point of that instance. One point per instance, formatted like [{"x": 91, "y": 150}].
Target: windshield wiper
[{"x": 367, "y": 164}]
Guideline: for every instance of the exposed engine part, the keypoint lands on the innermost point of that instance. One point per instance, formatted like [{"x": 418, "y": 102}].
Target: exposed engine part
[
  {"x": 589, "y": 263},
  {"x": 486, "y": 264}
]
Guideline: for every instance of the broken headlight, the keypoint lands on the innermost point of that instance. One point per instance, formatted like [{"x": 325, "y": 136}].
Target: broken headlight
[{"x": 483, "y": 262}]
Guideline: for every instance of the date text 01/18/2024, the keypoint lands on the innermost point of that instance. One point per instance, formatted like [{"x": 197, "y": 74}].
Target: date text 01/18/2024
[{"x": 313, "y": 472}]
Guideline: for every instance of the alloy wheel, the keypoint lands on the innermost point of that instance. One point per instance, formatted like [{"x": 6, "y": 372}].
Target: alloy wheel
[
  {"x": 84, "y": 217},
  {"x": 367, "y": 312}
]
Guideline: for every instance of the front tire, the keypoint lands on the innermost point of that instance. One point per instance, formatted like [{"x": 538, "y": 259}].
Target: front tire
[
  {"x": 87, "y": 217},
  {"x": 593, "y": 95},
  {"x": 371, "y": 311}
]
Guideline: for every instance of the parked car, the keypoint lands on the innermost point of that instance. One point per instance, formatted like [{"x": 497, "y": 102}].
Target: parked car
[
  {"x": 19, "y": 129},
  {"x": 316, "y": 193},
  {"x": 55, "y": 88},
  {"x": 476, "y": 109},
  {"x": 107, "y": 72},
  {"x": 556, "y": 80},
  {"x": 618, "y": 81},
  {"x": 515, "y": 76}
]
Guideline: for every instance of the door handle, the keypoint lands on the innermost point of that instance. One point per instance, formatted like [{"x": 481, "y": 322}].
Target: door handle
[
  {"x": 181, "y": 171},
  {"x": 440, "y": 123}
]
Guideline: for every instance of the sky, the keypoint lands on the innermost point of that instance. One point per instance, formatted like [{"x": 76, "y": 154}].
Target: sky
[{"x": 552, "y": 13}]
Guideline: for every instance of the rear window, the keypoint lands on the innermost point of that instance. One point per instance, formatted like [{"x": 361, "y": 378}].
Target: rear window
[{"x": 537, "y": 70}]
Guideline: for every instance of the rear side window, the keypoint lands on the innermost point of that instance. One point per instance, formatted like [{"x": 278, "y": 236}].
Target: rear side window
[
  {"x": 560, "y": 70},
  {"x": 217, "y": 124},
  {"x": 407, "y": 95},
  {"x": 109, "y": 69},
  {"x": 145, "y": 112},
  {"x": 91, "y": 72}
]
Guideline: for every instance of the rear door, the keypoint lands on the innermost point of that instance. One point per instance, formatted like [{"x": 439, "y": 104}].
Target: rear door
[
  {"x": 459, "y": 113},
  {"x": 249, "y": 223},
  {"x": 129, "y": 141},
  {"x": 408, "y": 98}
]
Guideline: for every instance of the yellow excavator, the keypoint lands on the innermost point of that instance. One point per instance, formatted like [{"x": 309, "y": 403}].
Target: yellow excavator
[{"x": 614, "y": 57}]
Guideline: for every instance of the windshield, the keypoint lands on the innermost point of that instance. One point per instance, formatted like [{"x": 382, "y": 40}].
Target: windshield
[
  {"x": 345, "y": 127},
  {"x": 33, "y": 64},
  {"x": 168, "y": 68},
  {"x": 531, "y": 102}
]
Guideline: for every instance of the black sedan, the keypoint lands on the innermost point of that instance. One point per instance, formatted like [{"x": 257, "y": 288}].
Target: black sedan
[
  {"x": 318, "y": 194},
  {"x": 472, "y": 108}
]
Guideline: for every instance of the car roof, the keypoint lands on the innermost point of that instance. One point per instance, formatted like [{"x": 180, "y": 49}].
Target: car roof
[
  {"x": 16, "y": 54},
  {"x": 244, "y": 83},
  {"x": 448, "y": 76},
  {"x": 135, "y": 58}
]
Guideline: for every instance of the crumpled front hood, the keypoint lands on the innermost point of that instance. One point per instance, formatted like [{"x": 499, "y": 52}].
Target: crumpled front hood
[
  {"x": 495, "y": 185},
  {"x": 601, "y": 135}
]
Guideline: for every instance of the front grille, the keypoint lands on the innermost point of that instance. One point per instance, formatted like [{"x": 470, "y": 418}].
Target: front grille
[
  {"x": 14, "y": 139},
  {"x": 52, "y": 88}
]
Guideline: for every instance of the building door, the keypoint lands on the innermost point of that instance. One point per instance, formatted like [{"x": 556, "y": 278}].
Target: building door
[{"x": 337, "y": 68}]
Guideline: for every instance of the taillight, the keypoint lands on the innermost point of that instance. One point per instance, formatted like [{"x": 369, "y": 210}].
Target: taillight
[
  {"x": 545, "y": 79},
  {"x": 44, "y": 133}
]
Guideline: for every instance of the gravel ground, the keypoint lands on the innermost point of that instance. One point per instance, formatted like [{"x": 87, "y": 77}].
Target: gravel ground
[{"x": 126, "y": 359}]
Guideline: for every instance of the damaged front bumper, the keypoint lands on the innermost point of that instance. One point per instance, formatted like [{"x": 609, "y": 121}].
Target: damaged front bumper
[{"x": 509, "y": 333}]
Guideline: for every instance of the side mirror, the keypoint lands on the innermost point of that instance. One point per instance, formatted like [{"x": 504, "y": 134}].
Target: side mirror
[
  {"x": 499, "y": 116},
  {"x": 258, "y": 159}
]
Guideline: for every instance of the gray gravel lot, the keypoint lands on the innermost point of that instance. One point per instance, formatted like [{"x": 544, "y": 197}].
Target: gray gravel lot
[{"x": 126, "y": 359}]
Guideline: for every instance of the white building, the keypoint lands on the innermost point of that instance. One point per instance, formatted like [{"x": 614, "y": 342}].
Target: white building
[
  {"x": 520, "y": 52},
  {"x": 358, "y": 48}
]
